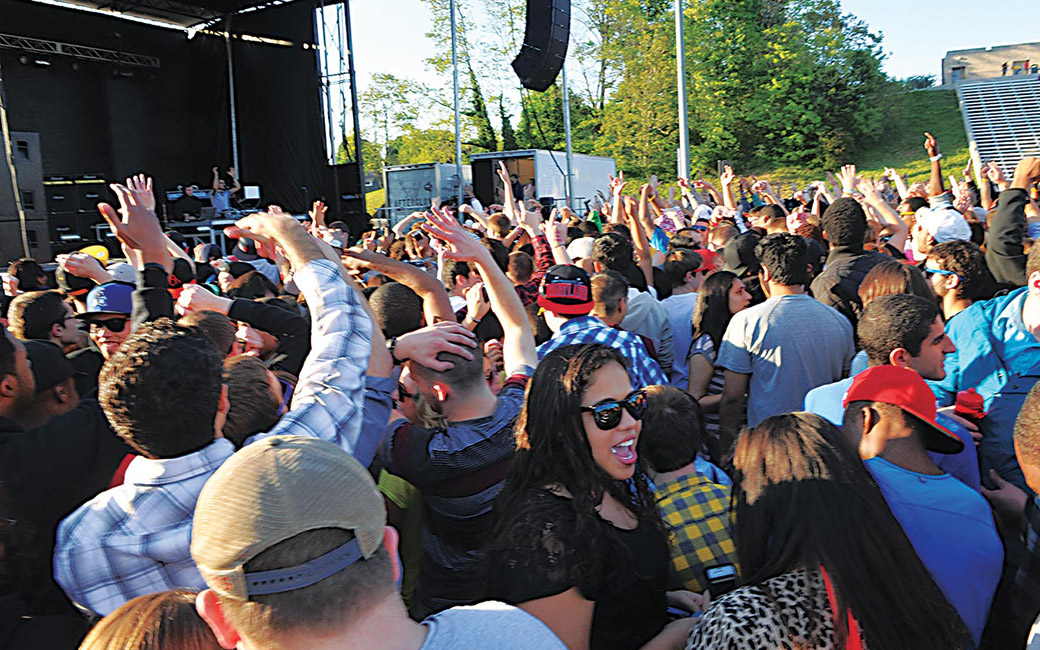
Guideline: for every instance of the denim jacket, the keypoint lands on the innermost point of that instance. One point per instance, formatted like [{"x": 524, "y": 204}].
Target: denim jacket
[{"x": 998, "y": 357}]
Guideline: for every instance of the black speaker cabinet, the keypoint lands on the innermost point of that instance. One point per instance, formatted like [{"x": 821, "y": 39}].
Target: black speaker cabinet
[{"x": 545, "y": 43}]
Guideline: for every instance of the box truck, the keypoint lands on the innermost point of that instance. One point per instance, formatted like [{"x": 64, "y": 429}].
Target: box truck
[
  {"x": 411, "y": 188},
  {"x": 547, "y": 170}
]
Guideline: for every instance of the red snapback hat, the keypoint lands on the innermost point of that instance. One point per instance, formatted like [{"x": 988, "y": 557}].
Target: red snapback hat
[{"x": 906, "y": 389}]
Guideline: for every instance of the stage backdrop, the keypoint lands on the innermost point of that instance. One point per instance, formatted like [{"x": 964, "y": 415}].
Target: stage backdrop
[{"x": 173, "y": 122}]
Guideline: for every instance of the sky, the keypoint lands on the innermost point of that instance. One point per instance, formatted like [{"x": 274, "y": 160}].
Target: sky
[{"x": 389, "y": 35}]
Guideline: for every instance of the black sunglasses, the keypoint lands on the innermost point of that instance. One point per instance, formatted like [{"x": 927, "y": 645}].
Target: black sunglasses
[
  {"x": 114, "y": 325},
  {"x": 607, "y": 414},
  {"x": 403, "y": 394}
]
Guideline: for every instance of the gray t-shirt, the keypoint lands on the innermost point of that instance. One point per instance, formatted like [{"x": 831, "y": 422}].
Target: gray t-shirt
[
  {"x": 789, "y": 345},
  {"x": 488, "y": 626}
]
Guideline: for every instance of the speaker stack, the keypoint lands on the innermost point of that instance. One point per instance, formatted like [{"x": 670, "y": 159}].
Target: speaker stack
[
  {"x": 545, "y": 43},
  {"x": 25, "y": 149}
]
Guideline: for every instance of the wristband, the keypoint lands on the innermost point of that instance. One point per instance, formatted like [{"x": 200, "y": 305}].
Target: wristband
[
  {"x": 475, "y": 320},
  {"x": 936, "y": 158},
  {"x": 391, "y": 345}
]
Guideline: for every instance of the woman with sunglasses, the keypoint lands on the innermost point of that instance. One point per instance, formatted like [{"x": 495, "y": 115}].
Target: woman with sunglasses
[
  {"x": 579, "y": 542},
  {"x": 722, "y": 295}
]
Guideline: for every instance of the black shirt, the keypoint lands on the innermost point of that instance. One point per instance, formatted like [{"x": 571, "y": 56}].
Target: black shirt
[{"x": 625, "y": 572}]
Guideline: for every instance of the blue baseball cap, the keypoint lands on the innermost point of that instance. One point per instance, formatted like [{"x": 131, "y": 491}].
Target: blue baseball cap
[{"x": 110, "y": 298}]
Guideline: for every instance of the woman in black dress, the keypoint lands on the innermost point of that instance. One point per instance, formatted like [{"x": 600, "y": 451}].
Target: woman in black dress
[{"x": 579, "y": 541}]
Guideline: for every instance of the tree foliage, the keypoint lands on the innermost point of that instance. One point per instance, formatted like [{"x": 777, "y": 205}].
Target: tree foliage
[{"x": 769, "y": 82}]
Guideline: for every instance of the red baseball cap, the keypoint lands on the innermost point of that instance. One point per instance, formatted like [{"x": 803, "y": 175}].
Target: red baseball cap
[
  {"x": 904, "y": 388},
  {"x": 566, "y": 290}
]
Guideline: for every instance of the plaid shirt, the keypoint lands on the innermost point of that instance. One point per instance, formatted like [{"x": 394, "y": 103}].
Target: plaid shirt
[
  {"x": 543, "y": 261},
  {"x": 642, "y": 369},
  {"x": 134, "y": 539},
  {"x": 696, "y": 513}
]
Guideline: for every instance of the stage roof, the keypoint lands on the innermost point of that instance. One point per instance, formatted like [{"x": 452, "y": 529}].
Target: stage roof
[{"x": 173, "y": 13}]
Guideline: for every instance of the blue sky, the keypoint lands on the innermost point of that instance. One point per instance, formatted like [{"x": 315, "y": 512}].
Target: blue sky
[{"x": 389, "y": 34}]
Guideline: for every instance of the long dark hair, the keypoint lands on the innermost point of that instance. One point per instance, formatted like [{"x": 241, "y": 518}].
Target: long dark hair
[
  {"x": 553, "y": 450},
  {"x": 712, "y": 315},
  {"x": 803, "y": 499}
]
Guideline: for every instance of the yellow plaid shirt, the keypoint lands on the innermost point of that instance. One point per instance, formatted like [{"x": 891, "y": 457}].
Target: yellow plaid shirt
[{"x": 696, "y": 513}]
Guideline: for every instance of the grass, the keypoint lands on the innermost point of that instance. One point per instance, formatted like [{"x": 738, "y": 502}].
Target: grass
[
  {"x": 375, "y": 200},
  {"x": 901, "y": 146}
]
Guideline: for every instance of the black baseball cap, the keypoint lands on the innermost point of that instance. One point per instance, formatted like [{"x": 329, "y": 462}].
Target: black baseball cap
[
  {"x": 566, "y": 290},
  {"x": 49, "y": 365}
]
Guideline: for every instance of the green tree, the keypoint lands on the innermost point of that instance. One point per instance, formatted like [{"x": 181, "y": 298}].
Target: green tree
[
  {"x": 508, "y": 134},
  {"x": 425, "y": 145},
  {"x": 793, "y": 82},
  {"x": 486, "y": 139}
]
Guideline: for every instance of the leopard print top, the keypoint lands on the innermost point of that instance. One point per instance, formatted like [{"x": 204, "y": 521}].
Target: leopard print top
[{"x": 788, "y": 612}]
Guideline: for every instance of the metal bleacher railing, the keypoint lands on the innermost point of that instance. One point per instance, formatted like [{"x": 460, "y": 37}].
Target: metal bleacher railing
[{"x": 1002, "y": 119}]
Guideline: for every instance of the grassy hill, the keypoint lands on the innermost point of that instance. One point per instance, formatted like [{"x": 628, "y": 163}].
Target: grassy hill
[{"x": 901, "y": 147}]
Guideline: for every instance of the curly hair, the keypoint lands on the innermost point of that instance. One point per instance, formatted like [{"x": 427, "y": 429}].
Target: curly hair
[
  {"x": 161, "y": 390},
  {"x": 553, "y": 450},
  {"x": 968, "y": 261}
]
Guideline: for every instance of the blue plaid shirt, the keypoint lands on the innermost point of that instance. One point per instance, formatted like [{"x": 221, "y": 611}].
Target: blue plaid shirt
[
  {"x": 642, "y": 369},
  {"x": 134, "y": 539}
]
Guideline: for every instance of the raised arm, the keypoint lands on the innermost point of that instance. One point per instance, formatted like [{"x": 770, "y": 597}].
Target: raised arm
[
  {"x": 885, "y": 212},
  {"x": 436, "y": 305},
  {"x": 518, "y": 348},
  {"x": 935, "y": 179},
  {"x": 724, "y": 182},
  {"x": 329, "y": 398}
]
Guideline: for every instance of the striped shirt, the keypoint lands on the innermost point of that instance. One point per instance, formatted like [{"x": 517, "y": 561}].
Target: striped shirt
[
  {"x": 706, "y": 348},
  {"x": 459, "y": 471}
]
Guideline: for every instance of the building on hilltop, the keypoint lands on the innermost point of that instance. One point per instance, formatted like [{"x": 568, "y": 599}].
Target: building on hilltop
[{"x": 991, "y": 62}]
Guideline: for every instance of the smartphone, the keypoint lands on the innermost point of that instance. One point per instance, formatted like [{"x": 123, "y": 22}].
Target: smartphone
[
  {"x": 723, "y": 164},
  {"x": 722, "y": 578}
]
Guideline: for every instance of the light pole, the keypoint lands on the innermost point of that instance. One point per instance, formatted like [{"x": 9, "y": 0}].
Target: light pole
[
  {"x": 455, "y": 90},
  {"x": 680, "y": 66}
]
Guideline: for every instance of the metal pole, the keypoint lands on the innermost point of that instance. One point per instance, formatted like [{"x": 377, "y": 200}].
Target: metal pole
[
  {"x": 680, "y": 65},
  {"x": 9, "y": 161},
  {"x": 455, "y": 89},
  {"x": 567, "y": 135},
  {"x": 354, "y": 105},
  {"x": 231, "y": 93}
]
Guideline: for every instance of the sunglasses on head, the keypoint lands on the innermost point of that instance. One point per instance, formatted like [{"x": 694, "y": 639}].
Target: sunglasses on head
[
  {"x": 114, "y": 325},
  {"x": 607, "y": 414}
]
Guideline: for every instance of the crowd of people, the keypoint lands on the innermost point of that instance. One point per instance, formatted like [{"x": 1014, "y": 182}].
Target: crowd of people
[{"x": 725, "y": 419}]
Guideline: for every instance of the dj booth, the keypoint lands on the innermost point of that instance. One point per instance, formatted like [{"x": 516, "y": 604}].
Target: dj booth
[{"x": 203, "y": 231}]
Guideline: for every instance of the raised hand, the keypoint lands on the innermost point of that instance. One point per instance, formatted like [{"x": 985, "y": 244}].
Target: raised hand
[
  {"x": 477, "y": 305},
  {"x": 995, "y": 174},
  {"x": 317, "y": 213},
  {"x": 462, "y": 246},
  {"x": 141, "y": 186},
  {"x": 503, "y": 173},
  {"x": 84, "y": 266},
  {"x": 195, "y": 297},
  {"x": 617, "y": 185},
  {"x": 848, "y": 178},
  {"x": 134, "y": 224},
  {"x": 554, "y": 232},
  {"x": 654, "y": 184},
  {"x": 930, "y": 145},
  {"x": 423, "y": 345},
  {"x": 727, "y": 175},
  {"x": 250, "y": 339}
]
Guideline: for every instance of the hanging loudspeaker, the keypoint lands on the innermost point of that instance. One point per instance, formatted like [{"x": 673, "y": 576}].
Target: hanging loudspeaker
[{"x": 545, "y": 43}]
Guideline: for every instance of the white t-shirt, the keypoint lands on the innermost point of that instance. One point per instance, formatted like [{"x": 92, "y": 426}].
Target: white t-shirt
[{"x": 488, "y": 626}]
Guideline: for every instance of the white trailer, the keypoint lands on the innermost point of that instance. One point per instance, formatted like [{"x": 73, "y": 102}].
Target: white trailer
[
  {"x": 411, "y": 187},
  {"x": 547, "y": 170}
]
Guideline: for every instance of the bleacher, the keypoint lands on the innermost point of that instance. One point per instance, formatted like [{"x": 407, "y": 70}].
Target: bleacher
[{"x": 1002, "y": 118}]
